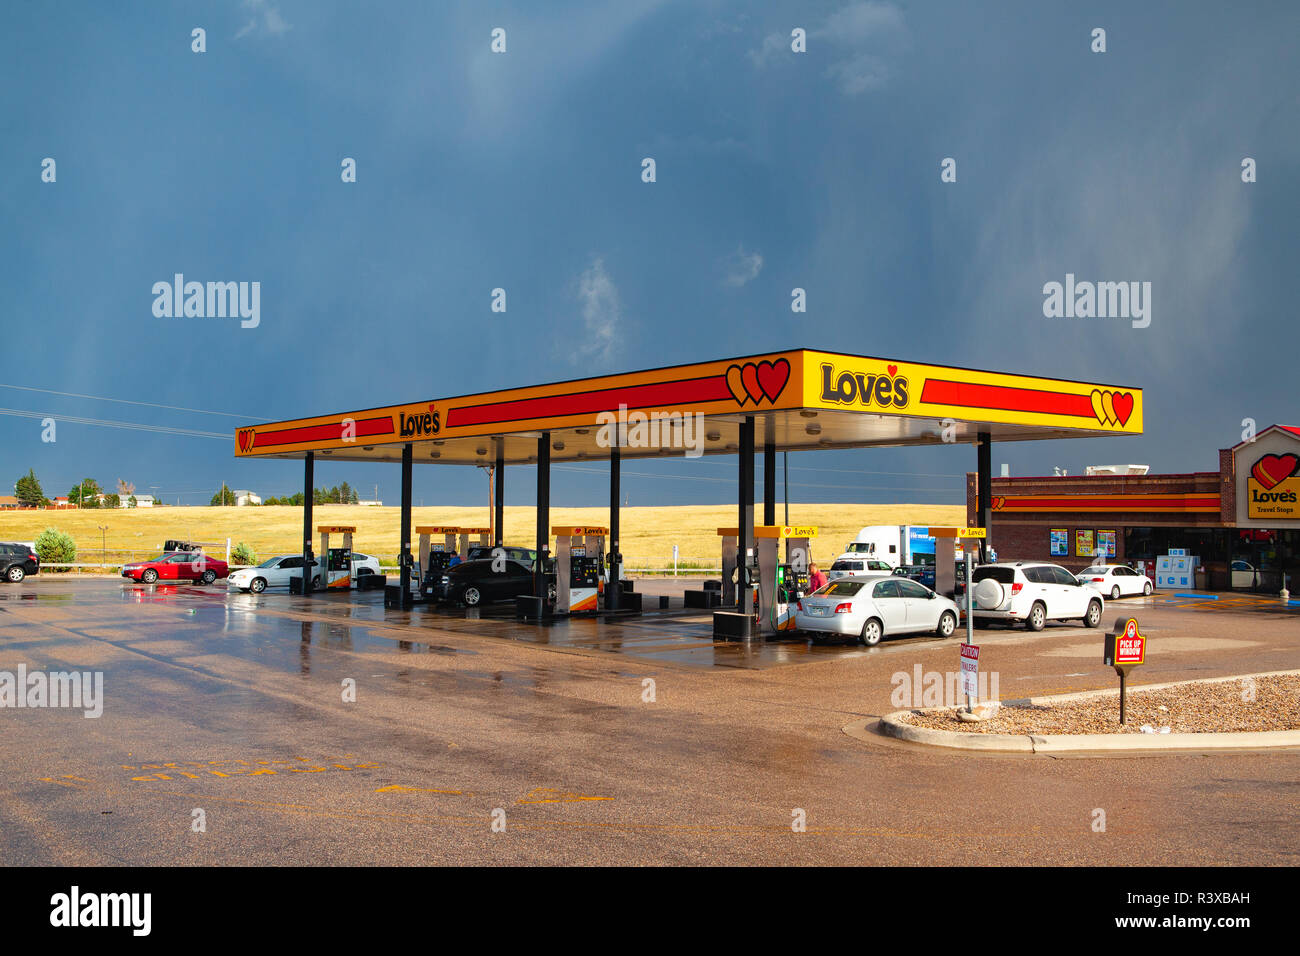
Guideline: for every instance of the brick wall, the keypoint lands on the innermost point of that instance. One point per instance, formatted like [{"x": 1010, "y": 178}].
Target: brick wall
[{"x": 1027, "y": 537}]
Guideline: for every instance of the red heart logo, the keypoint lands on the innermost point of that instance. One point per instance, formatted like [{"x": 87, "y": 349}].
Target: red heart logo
[
  {"x": 246, "y": 436},
  {"x": 735, "y": 385},
  {"x": 892, "y": 370},
  {"x": 749, "y": 378},
  {"x": 1272, "y": 470},
  {"x": 999, "y": 503},
  {"x": 1122, "y": 403},
  {"x": 772, "y": 377}
]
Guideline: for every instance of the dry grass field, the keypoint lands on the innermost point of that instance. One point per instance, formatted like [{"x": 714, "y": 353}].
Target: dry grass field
[{"x": 648, "y": 533}]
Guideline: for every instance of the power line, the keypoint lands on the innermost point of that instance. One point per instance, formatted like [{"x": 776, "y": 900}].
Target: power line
[
  {"x": 124, "y": 401},
  {"x": 728, "y": 481},
  {"x": 109, "y": 423}
]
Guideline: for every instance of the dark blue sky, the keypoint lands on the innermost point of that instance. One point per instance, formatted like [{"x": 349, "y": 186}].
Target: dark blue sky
[{"x": 522, "y": 170}]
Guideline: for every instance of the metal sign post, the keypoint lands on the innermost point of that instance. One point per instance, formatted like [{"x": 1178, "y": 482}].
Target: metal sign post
[{"x": 970, "y": 618}]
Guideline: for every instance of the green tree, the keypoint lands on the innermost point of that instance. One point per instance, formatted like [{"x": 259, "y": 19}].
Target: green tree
[
  {"x": 223, "y": 497},
  {"x": 28, "y": 491},
  {"x": 243, "y": 554},
  {"x": 85, "y": 493},
  {"x": 54, "y": 546}
]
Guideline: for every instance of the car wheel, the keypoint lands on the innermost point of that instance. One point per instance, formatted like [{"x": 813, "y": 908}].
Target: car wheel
[
  {"x": 1093, "y": 617},
  {"x": 16, "y": 573},
  {"x": 1037, "y": 617},
  {"x": 872, "y": 632},
  {"x": 472, "y": 597},
  {"x": 1146, "y": 589},
  {"x": 150, "y": 576},
  {"x": 315, "y": 583},
  {"x": 209, "y": 576},
  {"x": 257, "y": 585},
  {"x": 1114, "y": 593},
  {"x": 947, "y": 624}
]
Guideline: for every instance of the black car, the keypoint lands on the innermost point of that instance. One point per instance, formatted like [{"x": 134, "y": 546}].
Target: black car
[
  {"x": 922, "y": 573},
  {"x": 473, "y": 583},
  {"x": 17, "y": 561}
]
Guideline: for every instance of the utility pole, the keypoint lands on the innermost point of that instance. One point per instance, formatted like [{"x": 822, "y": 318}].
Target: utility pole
[{"x": 103, "y": 544}]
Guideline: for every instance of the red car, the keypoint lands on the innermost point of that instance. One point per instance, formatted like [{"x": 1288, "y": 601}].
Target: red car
[{"x": 177, "y": 566}]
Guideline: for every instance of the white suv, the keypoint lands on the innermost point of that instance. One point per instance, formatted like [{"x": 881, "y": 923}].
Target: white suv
[{"x": 1033, "y": 593}]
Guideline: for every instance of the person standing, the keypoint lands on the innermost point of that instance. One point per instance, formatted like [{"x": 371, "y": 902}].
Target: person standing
[{"x": 816, "y": 579}]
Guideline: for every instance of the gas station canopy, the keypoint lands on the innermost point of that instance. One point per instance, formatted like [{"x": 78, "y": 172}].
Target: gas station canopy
[{"x": 800, "y": 399}]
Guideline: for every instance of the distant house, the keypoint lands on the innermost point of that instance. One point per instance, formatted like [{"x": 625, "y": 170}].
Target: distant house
[
  {"x": 141, "y": 501},
  {"x": 246, "y": 497},
  {"x": 371, "y": 504},
  {"x": 9, "y": 502},
  {"x": 61, "y": 502}
]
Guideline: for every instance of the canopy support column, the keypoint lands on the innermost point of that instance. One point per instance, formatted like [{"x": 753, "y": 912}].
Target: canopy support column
[
  {"x": 614, "y": 585},
  {"x": 984, "y": 490},
  {"x": 499, "y": 506},
  {"x": 543, "y": 513},
  {"x": 745, "y": 533},
  {"x": 308, "y": 496},
  {"x": 405, "y": 569}
]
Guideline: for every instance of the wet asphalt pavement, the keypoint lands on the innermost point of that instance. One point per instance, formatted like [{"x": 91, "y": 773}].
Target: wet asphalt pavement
[{"x": 629, "y": 741}]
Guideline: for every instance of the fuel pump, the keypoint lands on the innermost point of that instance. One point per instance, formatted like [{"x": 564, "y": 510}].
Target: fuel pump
[
  {"x": 781, "y": 584},
  {"x": 738, "y": 573},
  {"x": 434, "y": 558},
  {"x": 336, "y": 572},
  {"x": 465, "y": 543},
  {"x": 946, "y": 569},
  {"x": 580, "y": 569}
]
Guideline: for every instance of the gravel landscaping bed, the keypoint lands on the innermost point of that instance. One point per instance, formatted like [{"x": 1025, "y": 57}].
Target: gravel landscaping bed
[{"x": 1197, "y": 708}]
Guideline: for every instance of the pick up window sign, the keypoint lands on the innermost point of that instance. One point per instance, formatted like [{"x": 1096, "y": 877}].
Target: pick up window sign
[{"x": 1125, "y": 649}]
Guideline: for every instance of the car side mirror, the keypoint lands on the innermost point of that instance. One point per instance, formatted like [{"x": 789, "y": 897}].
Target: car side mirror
[{"x": 933, "y": 595}]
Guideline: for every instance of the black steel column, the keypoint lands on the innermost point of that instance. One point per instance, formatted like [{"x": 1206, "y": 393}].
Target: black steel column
[
  {"x": 745, "y": 533},
  {"x": 769, "y": 478},
  {"x": 543, "y": 513},
  {"x": 614, "y": 586},
  {"x": 984, "y": 490},
  {"x": 406, "y": 524},
  {"x": 499, "y": 509},
  {"x": 308, "y": 495}
]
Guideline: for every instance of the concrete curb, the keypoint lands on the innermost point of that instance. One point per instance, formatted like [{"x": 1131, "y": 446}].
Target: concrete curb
[{"x": 891, "y": 725}]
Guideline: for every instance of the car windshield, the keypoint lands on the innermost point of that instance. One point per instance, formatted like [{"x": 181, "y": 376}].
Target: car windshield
[
  {"x": 1093, "y": 571},
  {"x": 1001, "y": 574},
  {"x": 858, "y": 547},
  {"x": 271, "y": 562},
  {"x": 842, "y": 587},
  {"x": 847, "y": 566}
]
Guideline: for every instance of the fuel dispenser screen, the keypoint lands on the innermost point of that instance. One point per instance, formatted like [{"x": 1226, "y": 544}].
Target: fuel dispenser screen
[
  {"x": 791, "y": 585},
  {"x": 584, "y": 571},
  {"x": 339, "y": 559}
]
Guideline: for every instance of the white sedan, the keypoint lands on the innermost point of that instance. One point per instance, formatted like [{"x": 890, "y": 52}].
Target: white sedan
[
  {"x": 870, "y": 608},
  {"x": 1115, "y": 580},
  {"x": 276, "y": 572}
]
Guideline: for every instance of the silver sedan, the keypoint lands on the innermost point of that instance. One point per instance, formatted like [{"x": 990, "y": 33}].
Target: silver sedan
[{"x": 870, "y": 608}]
